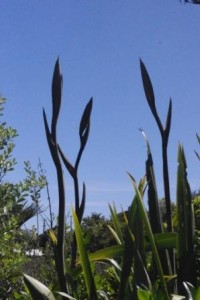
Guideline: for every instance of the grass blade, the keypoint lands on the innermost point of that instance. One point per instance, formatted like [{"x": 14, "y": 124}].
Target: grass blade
[
  {"x": 107, "y": 253},
  {"x": 37, "y": 289},
  {"x": 116, "y": 222},
  {"x": 151, "y": 239},
  {"x": 84, "y": 259}
]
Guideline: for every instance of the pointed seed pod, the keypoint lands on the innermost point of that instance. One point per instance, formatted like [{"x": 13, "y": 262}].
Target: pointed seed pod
[
  {"x": 85, "y": 123},
  {"x": 56, "y": 95},
  {"x": 148, "y": 88},
  {"x": 168, "y": 121}
]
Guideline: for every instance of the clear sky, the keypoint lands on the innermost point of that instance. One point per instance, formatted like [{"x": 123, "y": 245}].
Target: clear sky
[{"x": 99, "y": 44}]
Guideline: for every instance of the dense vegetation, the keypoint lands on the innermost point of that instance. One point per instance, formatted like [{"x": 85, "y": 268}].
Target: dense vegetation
[{"x": 19, "y": 203}]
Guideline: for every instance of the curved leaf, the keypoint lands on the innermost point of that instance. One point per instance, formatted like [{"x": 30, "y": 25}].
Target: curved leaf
[
  {"x": 107, "y": 253},
  {"x": 66, "y": 296},
  {"x": 37, "y": 289},
  {"x": 89, "y": 279}
]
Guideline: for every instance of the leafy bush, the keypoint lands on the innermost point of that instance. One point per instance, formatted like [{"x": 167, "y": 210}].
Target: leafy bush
[{"x": 14, "y": 212}]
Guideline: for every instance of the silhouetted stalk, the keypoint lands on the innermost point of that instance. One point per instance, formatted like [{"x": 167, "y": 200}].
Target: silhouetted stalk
[
  {"x": 76, "y": 192},
  {"x": 164, "y": 132},
  {"x": 166, "y": 186},
  {"x": 53, "y": 147},
  {"x": 50, "y": 208},
  {"x": 60, "y": 259},
  {"x": 84, "y": 129},
  {"x": 197, "y": 154}
]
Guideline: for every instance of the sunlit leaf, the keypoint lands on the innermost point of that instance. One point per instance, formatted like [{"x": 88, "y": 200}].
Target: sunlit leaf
[
  {"x": 106, "y": 253},
  {"x": 143, "y": 294},
  {"x": 84, "y": 260},
  {"x": 52, "y": 236},
  {"x": 38, "y": 290},
  {"x": 66, "y": 296},
  {"x": 116, "y": 222},
  {"x": 115, "y": 235}
]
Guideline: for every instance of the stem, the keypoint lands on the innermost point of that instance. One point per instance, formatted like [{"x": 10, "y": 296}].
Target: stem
[
  {"x": 74, "y": 243},
  {"x": 167, "y": 196},
  {"x": 166, "y": 186},
  {"x": 59, "y": 257},
  {"x": 50, "y": 209}
]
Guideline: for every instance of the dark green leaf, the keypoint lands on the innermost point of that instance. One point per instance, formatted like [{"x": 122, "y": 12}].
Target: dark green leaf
[{"x": 89, "y": 279}]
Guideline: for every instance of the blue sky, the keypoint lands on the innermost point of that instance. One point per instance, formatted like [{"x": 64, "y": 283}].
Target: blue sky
[{"x": 99, "y": 44}]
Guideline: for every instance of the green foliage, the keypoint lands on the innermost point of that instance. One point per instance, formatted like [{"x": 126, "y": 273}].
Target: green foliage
[
  {"x": 7, "y": 135},
  {"x": 15, "y": 210},
  {"x": 196, "y": 205},
  {"x": 96, "y": 232}
]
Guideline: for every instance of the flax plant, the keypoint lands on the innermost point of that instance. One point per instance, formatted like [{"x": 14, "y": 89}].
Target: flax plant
[
  {"x": 142, "y": 245},
  {"x": 164, "y": 132},
  {"x": 53, "y": 147},
  {"x": 58, "y": 156}
]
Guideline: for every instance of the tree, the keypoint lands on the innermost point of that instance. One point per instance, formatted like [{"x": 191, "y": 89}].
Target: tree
[
  {"x": 96, "y": 232},
  {"x": 18, "y": 203}
]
